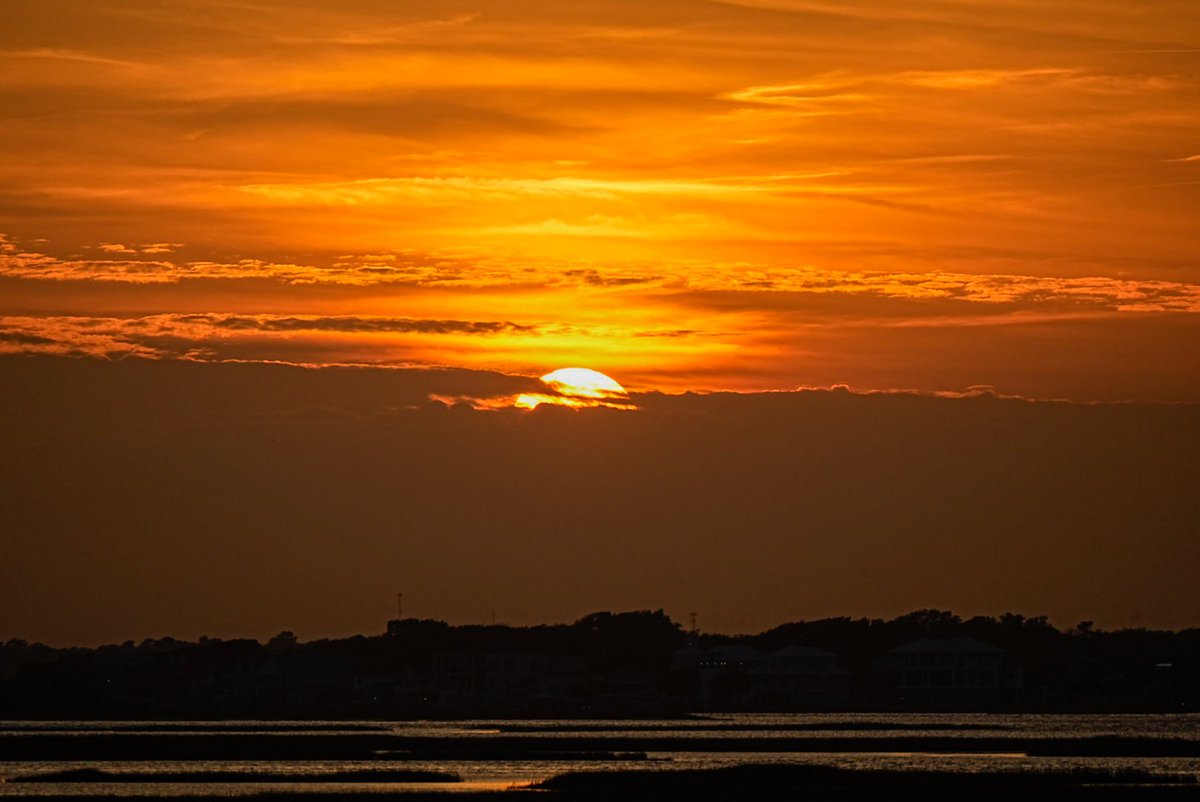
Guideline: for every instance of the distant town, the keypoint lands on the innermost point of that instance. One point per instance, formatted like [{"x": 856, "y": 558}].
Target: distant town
[{"x": 634, "y": 664}]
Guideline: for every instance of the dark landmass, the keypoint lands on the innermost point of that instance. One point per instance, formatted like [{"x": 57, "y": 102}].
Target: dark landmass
[
  {"x": 828, "y": 783},
  {"x": 813, "y": 783},
  {"x": 103, "y": 747},
  {"x": 194, "y": 726},
  {"x": 362, "y": 776},
  {"x": 716, "y": 726},
  {"x": 613, "y": 665}
]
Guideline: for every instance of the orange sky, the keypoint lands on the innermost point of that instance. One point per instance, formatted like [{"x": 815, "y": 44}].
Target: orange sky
[{"x": 760, "y": 194}]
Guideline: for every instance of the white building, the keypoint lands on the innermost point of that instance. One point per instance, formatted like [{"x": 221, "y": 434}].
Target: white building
[
  {"x": 947, "y": 664},
  {"x": 800, "y": 677}
]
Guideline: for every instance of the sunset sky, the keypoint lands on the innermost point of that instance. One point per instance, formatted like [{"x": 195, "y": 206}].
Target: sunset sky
[
  {"x": 275, "y": 275},
  {"x": 684, "y": 194}
]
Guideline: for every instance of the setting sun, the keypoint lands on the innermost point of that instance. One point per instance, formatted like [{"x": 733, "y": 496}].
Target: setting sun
[
  {"x": 577, "y": 387},
  {"x": 583, "y": 383}
]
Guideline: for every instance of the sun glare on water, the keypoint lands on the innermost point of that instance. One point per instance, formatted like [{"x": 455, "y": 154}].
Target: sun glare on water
[{"x": 577, "y": 388}]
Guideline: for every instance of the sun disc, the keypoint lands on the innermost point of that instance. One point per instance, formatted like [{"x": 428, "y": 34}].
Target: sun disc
[{"x": 583, "y": 383}]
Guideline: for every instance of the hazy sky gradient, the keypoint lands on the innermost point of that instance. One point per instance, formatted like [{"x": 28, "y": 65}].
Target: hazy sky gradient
[{"x": 177, "y": 498}]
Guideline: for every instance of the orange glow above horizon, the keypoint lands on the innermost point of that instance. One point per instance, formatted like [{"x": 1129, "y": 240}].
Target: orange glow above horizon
[{"x": 730, "y": 195}]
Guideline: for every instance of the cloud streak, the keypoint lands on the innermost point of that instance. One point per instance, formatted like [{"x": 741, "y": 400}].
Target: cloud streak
[
  {"x": 184, "y": 335},
  {"x": 456, "y": 270}
]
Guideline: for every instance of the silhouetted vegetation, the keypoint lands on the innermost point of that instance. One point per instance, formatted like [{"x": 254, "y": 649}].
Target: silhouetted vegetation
[
  {"x": 555, "y": 748},
  {"x": 783, "y": 782},
  {"x": 604, "y": 664},
  {"x": 359, "y": 776}
]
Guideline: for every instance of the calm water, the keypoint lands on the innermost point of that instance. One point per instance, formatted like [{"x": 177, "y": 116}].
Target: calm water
[{"x": 753, "y": 730}]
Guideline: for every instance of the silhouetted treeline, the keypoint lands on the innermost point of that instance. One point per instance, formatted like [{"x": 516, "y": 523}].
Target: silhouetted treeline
[{"x": 635, "y": 663}]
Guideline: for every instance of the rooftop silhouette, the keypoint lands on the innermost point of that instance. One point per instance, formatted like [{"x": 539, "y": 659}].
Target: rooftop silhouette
[{"x": 607, "y": 664}]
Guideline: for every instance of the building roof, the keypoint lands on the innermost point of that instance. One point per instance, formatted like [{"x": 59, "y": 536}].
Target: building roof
[
  {"x": 926, "y": 645},
  {"x": 801, "y": 651},
  {"x": 734, "y": 652}
]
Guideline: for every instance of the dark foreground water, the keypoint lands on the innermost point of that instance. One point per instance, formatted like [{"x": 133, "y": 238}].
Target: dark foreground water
[{"x": 248, "y": 757}]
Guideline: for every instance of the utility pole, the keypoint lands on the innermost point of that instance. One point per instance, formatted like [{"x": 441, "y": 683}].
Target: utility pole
[{"x": 693, "y": 617}]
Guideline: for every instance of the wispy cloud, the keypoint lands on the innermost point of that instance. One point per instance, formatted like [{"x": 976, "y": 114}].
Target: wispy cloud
[
  {"x": 347, "y": 324},
  {"x": 449, "y": 269},
  {"x": 465, "y": 188},
  {"x": 61, "y": 54},
  {"x": 194, "y": 336},
  {"x": 150, "y": 248}
]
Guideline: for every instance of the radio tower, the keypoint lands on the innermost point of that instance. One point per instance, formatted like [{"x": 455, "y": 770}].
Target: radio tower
[{"x": 399, "y": 606}]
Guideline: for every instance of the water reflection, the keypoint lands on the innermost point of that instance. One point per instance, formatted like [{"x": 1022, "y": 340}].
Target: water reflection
[{"x": 684, "y": 738}]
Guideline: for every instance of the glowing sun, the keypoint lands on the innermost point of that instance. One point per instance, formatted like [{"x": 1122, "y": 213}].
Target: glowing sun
[{"x": 577, "y": 387}]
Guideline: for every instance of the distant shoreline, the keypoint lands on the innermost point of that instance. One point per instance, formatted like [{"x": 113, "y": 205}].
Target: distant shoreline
[
  {"x": 747, "y": 782},
  {"x": 381, "y": 746}
]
